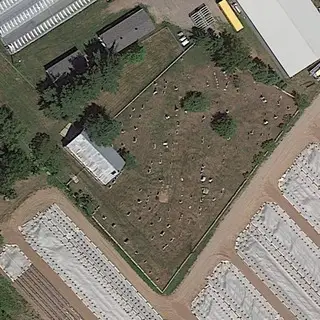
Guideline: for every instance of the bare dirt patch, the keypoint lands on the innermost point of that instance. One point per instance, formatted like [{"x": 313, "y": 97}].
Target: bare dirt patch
[
  {"x": 179, "y": 153},
  {"x": 174, "y": 11}
]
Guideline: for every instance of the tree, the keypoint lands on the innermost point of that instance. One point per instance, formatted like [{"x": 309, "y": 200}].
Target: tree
[
  {"x": 223, "y": 125},
  {"x": 46, "y": 152},
  {"x": 134, "y": 54},
  {"x": 267, "y": 147},
  {"x": 10, "y": 128},
  {"x": 1, "y": 241},
  {"x": 301, "y": 100},
  {"x": 263, "y": 73},
  {"x": 14, "y": 162},
  {"x": 15, "y": 165},
  {"x": 12, "y": 305},
  {"x": 229, "y": 51},
  {"x": 84, "y": 201},
  {"x": 69, "y": 99},
  {"x": 101, "y": 129},
  {"x": 195, "y": 101}
]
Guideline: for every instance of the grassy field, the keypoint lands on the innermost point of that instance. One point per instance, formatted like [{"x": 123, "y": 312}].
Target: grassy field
[
  {"x": 74, "y": 32},
  {"x": 17, "y": 93},
  {"x": 13, "y": 306},
  {"x": 161, "y": 49},
  {"x": 160, "y": 203}
]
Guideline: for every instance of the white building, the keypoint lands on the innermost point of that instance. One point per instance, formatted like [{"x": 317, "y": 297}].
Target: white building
[
  {"x": 290, "y": 29},
  {"x": 104, "y": 163}
]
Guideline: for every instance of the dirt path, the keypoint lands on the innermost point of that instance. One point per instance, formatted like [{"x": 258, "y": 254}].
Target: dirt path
[
  {"x": 174, "y": 11},
  {"x": 263, "y": 187}
]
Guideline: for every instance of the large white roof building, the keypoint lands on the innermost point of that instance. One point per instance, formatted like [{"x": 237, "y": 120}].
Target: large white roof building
[
  {"x": 290, "y": 28},
  {"x": 104, "y": 163}
]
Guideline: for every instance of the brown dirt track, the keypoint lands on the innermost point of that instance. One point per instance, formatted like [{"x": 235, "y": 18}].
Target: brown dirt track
[{"x": 263, "y": 187}]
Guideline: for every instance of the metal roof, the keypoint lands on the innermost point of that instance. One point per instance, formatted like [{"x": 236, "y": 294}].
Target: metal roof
[
  {"x": 130, "y": 29},
  {"x": 290, "y": 28},
  {"x": 104, "y": 164}
]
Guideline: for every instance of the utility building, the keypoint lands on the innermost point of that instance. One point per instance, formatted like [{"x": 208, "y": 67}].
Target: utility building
[
  {"x": 128, "y": 29},
  {"x": 289, "y": 29},
  {"x": 104, "y": 163}
]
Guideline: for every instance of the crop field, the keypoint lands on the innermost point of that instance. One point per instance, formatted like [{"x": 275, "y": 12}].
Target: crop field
[
  {"x": 286, "y": 260},
  {"x": 300, "y": 185},
  {"x": 84, "y": 268},
  {"x": 284, "y": 257},
  {"x": 186, "y": 173},
  {"x": 63, "y": 273},
  {"x": 229, "y": 295},
  {"x": 161, "y": 49}
]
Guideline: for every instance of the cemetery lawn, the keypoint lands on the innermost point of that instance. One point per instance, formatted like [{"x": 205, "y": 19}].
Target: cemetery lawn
[{"x": 158, "y": 211}]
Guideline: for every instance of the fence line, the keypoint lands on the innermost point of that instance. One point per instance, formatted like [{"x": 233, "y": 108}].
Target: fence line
[
  {"x": 125, "y": 252},
  {"x": 151, "y": 82},
  {"x": 226, "y": 207}
]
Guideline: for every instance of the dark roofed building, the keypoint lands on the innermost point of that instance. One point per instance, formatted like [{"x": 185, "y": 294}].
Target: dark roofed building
[
  {"x": 127, "y": 30},
  {"x": 71, "y": 60}
]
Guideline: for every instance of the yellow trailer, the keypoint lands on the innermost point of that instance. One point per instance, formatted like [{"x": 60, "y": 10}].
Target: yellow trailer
[{"x": 231, "y": 16}]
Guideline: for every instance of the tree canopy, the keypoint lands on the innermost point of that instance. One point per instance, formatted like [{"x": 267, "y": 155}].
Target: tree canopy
[
  {"x": 68, "y": 100},
  {"x": 134, "y": 54},
  {"x": 46, "y": 152},
  {"x": 129, "y": 158},
  {"x": 230, "y": 52},
  {"x": 195, "y": 101},
  {"x": 301, "y": 100},
  {"x": 14, "y": 162},
  {"x": 224, "y": 125},
  {"x": 10, "y": 129},
  {"x": 101, "y": 129},
  {"x": 11, "y": 305}
]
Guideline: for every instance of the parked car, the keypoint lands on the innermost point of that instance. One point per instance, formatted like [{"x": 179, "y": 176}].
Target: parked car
[{"x": 183, "y": 39}]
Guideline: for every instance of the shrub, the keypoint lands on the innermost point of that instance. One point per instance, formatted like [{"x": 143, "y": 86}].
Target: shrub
[
  {"x": 301, "y": 100},
  {"x": 131, "y": 161},
  {"x": 195, "y": 101},
  {"x": 134, "y": 54},
  {"x": 224, "y": 125}
]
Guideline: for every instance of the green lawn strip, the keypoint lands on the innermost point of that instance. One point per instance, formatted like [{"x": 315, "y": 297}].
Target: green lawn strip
[
  {"x": 22, "y": 98},
  {"x": 12, "y": 305},
  {"x": 74, "y": 32}
]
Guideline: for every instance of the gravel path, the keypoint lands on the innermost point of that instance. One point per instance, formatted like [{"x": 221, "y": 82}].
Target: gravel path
[{"x": 174, "y": 11}]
